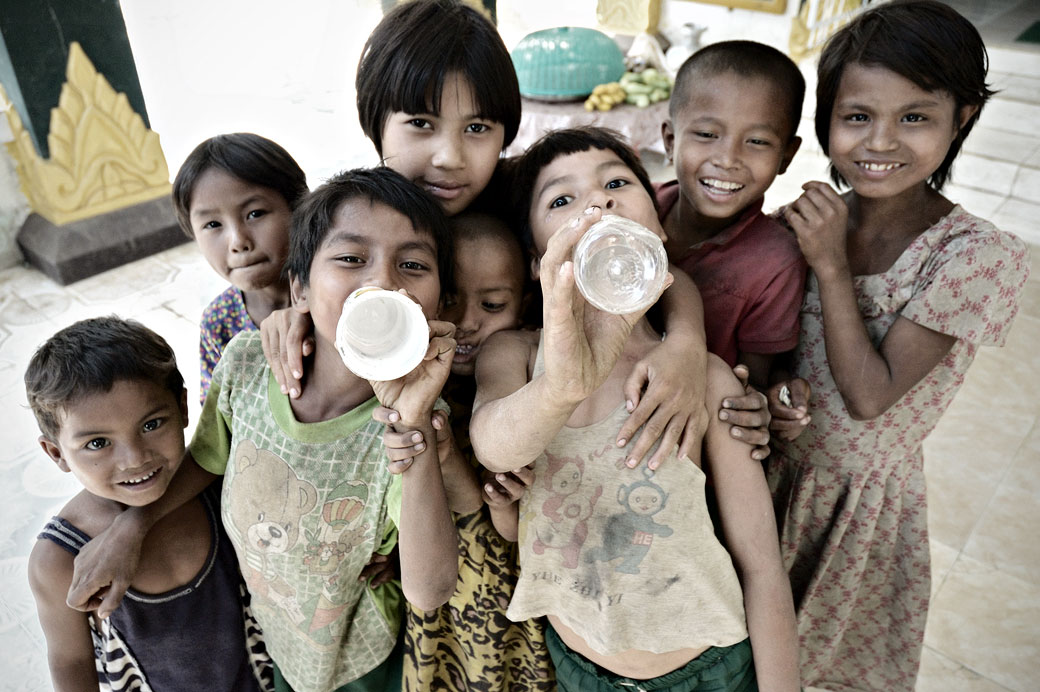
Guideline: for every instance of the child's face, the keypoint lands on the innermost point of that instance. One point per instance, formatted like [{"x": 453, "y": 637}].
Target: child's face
[
  {"x": 452, "y": 155},
  {"x": 887, "y": 133},
  {"x": 729, "y": 141},
  {"x": 124, "y": 444},
  {"x": 368, "y": 244},
  {"x": 574, "y": 182},
  {"x": 241, "y": 228},
  {"x": 488, "y": 298}
]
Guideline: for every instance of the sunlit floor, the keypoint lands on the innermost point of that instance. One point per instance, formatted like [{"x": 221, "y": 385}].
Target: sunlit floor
[{"x": 982, "y": 463}]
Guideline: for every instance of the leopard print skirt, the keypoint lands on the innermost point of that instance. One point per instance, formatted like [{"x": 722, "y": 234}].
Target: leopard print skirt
[{"x": 468, "y": 644}]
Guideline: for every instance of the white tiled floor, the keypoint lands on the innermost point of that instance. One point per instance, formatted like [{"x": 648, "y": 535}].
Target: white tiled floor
[{"x": 983, "y": 461}]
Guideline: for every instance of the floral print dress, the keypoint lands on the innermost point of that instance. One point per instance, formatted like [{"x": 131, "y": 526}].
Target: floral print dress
[{"x": 850, "y": 495}]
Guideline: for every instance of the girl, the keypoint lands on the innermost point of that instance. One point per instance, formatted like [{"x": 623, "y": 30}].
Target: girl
[
  {"x": 625, "y": 563},
  {"x": 905, "y": 286},
  {"x": 234, "y": 195}
]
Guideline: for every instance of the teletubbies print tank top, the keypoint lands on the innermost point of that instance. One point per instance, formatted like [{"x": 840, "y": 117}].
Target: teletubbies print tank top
[{"x": 627, "y": 558}]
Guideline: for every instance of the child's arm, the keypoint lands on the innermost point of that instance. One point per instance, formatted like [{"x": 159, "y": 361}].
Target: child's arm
[
  {"x": 70, "y": 650},
  {"x": 460, "y": 479},
  {"x": 746, "y": 512},
  {"x": 515, "y": 419},
  {"x": 427, "y": 539},
  {"x": 672, "y": 406},
  {"x": 107, "y": 564},
  {"x": 870, "y": 380},
  {"x": 502, "y": 493},
  {"x": 287, "y": 338}
]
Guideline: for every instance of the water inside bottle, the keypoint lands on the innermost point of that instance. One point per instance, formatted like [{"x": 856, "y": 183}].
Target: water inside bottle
[{"x": 618, "y": 276}]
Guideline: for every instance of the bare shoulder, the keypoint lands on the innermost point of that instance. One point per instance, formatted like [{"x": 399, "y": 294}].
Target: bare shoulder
[
  {"x": 50, "y": 571},
  {"x": 506, "y": 348}
]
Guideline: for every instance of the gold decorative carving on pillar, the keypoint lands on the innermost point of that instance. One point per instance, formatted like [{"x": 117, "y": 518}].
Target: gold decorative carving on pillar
[
  {"x": 628, "y": 16},
  {"x": 102, "y": 157}
]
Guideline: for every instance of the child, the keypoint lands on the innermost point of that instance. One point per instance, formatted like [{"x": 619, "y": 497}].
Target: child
[
  {"x": 442, "y": 121},
  {"x": 905, "y": 286},
  {"x": 112, "y": 409},
  {"x": 638, "y": 591},
  {"x": 307, "y": 498},
  {"x": 469, "y": 644},
  {"x": 234, "y": 195},
  {"x": 732, "y": 126}
]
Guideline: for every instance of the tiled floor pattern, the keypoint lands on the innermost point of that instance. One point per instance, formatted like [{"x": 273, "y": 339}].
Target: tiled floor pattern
[{"x": 982, "y": 463}]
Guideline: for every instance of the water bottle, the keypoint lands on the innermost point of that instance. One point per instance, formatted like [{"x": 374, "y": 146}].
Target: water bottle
[
  {"x": 381, "y": 335},
  {"x": 620, "y": 265}
]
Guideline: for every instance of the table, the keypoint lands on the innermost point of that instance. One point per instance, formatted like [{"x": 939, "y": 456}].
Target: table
[{"x": 640, "y": 126}]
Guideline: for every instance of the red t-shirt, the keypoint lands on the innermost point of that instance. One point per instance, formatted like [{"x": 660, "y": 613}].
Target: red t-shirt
[{"x": 751, "y": 277}]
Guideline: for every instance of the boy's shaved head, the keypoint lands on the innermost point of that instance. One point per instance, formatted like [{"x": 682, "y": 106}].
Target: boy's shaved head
[{"x": 747, "y": 59}]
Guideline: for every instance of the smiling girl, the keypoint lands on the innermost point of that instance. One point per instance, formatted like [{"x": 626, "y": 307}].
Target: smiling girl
[{"x": 904, "y": 287}]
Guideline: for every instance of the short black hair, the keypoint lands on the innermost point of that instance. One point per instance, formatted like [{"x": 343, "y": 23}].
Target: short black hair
[
  {"x": 746, "y": 59},
  {"x": 525, "y": 169},
  {"x": 924, "y": 41},
  {"x": 313, "y": 218},
  {"x": 89, "y": 357},
  {"x": 415, "y": 47},
  {"x": 246, "y": 156}
]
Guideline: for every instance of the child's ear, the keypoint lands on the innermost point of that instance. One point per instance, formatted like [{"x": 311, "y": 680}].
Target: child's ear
[
  {"x": 789, "y": 151},
  {"x": 536, "y": 263},
  {"x": 184, "y": 406},
  {"x": 965, "y": 115},
  {"x": 298, "y": 293},
  {"x": 54, "y": 452},
  {"x": 668, "y": 137}
]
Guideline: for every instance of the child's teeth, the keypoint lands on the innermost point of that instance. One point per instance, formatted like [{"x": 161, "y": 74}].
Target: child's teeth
[
  {"x": 722, "y": 184},
  {"x": 464, "y": 349},
  {"x": 141, "y": 480},
  {"x": 880, "y": 166}
]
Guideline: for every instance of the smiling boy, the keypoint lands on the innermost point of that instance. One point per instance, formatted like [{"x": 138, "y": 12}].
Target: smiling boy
[{"x": 731, "y": 130}]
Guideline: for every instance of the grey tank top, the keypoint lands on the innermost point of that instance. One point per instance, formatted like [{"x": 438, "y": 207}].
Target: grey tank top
[
  {"x": 627, "y": 558},
  {"x": 198, "y": 636}
]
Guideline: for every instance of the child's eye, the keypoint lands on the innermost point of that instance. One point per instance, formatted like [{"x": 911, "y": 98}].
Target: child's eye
[
  {"x": 210, "y": 225},
  {"x": 760, "y": 142},
  {"x": 411, "y": 265},
  {"x": 616, "y": 183},
  {"x": 857, "y": 117},
  {"x": 561, "y": 201},
  {"x": 256, "y": 213},
  {"x": 477, "y": 128},
  {"x": 421, "y": 123},
  {"x": 350, "y": 259},
  {"x": 97, "y": 443},
  {"x": 153, "y": 424},
  {"x": 914, "y": 118},
  {"x": 704, "y": 135},
  {"x": 493, "y": 307}
]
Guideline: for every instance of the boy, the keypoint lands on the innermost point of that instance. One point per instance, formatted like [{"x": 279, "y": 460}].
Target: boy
[
  {"x": 731, "y": 130},
  {"x": 307, "y": 497},
  {"x": 625, "y": 563},
  {"x": 112, "y": 409}
]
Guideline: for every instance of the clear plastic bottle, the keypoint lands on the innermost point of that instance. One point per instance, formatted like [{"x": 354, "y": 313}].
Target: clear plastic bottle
[
  {"x": 381, "y": 335},
  {"x": 620, "y": 265}
]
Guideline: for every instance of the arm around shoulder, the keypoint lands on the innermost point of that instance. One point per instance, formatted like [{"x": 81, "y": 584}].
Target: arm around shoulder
[
  {"x": 70, "y": 649},
  {"x": 748, "y": 523}
]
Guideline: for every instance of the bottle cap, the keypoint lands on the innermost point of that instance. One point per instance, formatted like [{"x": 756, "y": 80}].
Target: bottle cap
[
  {"x": 619, "y": 265},
  {"x": 381, "y": 335}
]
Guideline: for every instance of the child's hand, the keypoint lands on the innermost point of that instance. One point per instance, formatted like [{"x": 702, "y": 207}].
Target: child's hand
[
  {"x": 401, "y": 447},
  {"x": 672, "y": 406},
  {"x": 287, "y": 340},
  {"x": 581, "y": 343},
  {"x": 748, "y": 416},
  {"x": 789, "y": 404},
  {"x": 413, "y": 395},
  {"x": 381, "y": 569},
  {"x": 820, "y": 221},
  {"x": 503, "y": 489},
  {"x": 104, "y": 568}
]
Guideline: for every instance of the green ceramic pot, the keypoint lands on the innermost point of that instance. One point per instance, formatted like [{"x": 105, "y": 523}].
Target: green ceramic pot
[{"x": 565, "y": 63}]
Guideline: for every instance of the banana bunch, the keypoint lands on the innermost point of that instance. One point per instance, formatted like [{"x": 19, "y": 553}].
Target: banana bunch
[
  {"x": 646, "y": 87},
  {"x": 605, "y": 96}
]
